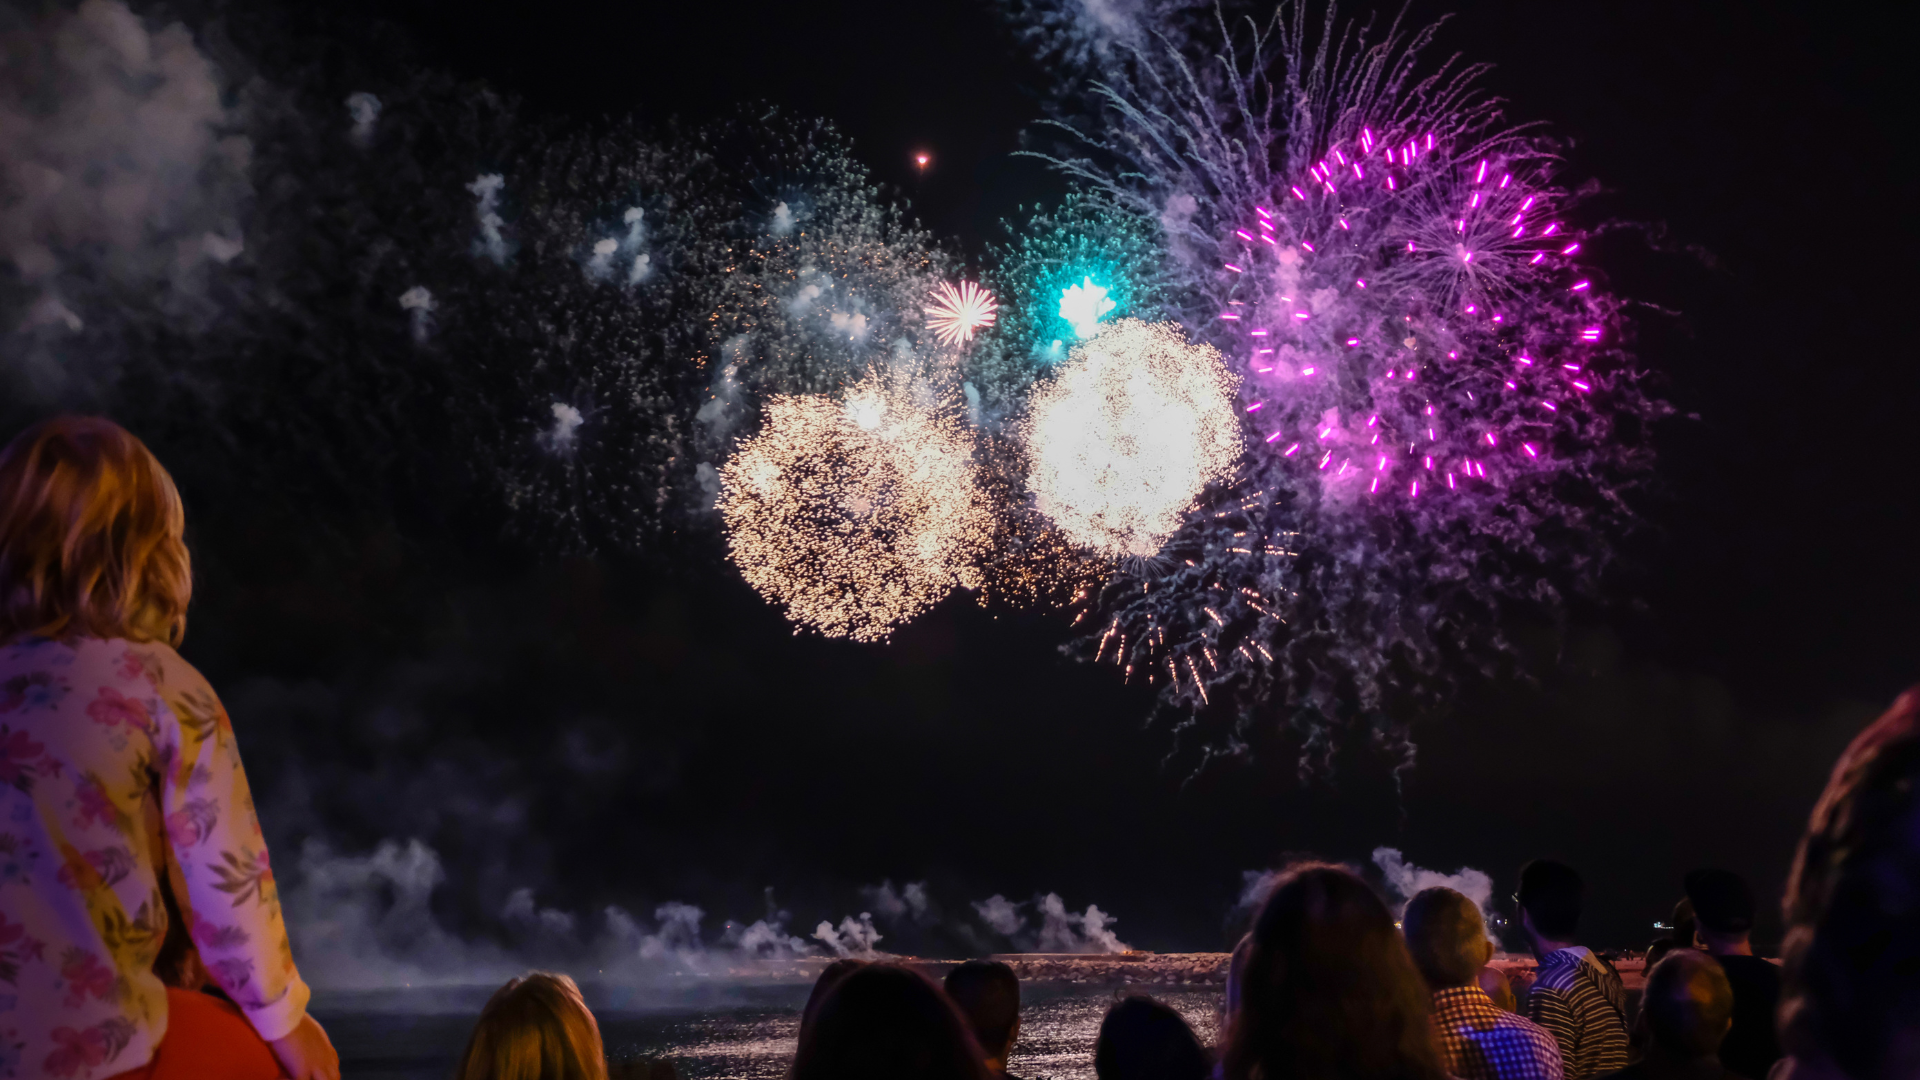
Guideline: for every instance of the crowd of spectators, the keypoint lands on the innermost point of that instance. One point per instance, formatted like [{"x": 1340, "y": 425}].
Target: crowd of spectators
[{"x": 152, "y": 945}]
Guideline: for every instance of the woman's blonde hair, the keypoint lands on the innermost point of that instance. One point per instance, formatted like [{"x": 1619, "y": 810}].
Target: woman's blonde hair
[
  {"x": 536, "y": 1027},
  {"x": 91, "y": 536}
]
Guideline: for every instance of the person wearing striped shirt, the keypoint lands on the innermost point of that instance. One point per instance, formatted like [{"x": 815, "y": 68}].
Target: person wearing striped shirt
[
  {"x": 1478, "y": 1039},
  {"x": 1576, "y": 995}
]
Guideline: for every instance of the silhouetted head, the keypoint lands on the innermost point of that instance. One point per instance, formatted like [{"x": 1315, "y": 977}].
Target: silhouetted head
[
  {"x": 1852, "y": 978},
  {"x": 988, "y": 993},
  {"x": 1237, "y": 971},
  {"x": 830, "y": 977},
  {"x": 537, "y": 1027},
  {"x": 1722, "y": 902},
  {"x": 887, "y": 1022},
  {"x": 1329, "y": 988},
  {"x": 1684, "y": 922},
  {"x": 1144, "y": 1039},
  {"x": 1551, "y": 895},
  {"x": 1447, "y": 937},
  {"x": 91, "y": 536},
  {"x": 1688, "y": 1006}
]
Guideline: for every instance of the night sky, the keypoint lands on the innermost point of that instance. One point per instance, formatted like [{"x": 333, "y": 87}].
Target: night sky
[{"x": 1761, "y": 155}]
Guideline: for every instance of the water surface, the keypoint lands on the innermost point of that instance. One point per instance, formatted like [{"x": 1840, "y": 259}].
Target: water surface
[{"x": 743, "y": 1032}]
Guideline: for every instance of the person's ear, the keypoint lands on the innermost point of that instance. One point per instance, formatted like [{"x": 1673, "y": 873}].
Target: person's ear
[
  {"x": 1526, "y": 921},
  {"x": 1486, "y": 950}
]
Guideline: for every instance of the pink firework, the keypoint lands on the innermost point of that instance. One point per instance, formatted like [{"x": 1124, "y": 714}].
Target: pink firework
[
  {"x": 1454, "y": 286},
  {"x": 956, "y": 314}
]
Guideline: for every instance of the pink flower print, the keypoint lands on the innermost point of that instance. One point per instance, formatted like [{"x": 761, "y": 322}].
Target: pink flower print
[
  {"x": 112, "y": 708},
  {"x": 132, "y": 665},
  {"x": 208, "y": 935},
  {"x": 86, "y": 977},
  {"x": 94, "y": 804},
  {"x": 112, "y": 864},
  {"x": 33, "y": 690},
  {"x": 17, "y": 749},
  {"x": 192, "y": 823},
  {"x": 88, "y": 1048},
  {"x": 232, "y": 974}
]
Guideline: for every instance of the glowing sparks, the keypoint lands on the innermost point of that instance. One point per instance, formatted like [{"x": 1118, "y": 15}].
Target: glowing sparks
[
  {"x": 856, "y": 515},
  {"x": 1131, "y": 430},
  {"x": 1083, "y": 306},
  {"x": 957, "y": 313}
]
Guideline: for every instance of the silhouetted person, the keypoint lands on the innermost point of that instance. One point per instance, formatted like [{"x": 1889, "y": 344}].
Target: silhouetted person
[
  {"x": 988, "y": 993},
  {"x": 1685, "y": 1013},
  {"x": 887, "y": 1022},
  {"x": 1329, "y": 989},
  {"x": 830, "y": 977},
  {"x": 1679, "y": 936},
  {"x": 1478, "y": 1040},
  {"x": 1236, "y": 971},
  {"x": 1850, "y": 1006},
  {"x": 1144, "y": 1039},
  {"x": 1576, "y": 995},
  {"x": 1723, "y": 905},
  {"x": 536, "y": 1027}
]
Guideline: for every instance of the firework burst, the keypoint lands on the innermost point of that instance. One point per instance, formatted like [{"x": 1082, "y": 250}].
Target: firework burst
[
  {"x": 1127, "y": 435},
  {"x": 957, "y": 314},
  {"x": 1440, "y": 413},
  {"x": 856, "y": 514}
]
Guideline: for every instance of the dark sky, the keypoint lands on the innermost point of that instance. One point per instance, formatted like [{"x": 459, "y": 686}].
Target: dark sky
[{"x": 1772, "y": 609}]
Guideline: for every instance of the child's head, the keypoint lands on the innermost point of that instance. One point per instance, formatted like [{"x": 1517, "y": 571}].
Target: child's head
[
  {"x": 91, "y": 536},
  {"x": 537, "y": 1027}
]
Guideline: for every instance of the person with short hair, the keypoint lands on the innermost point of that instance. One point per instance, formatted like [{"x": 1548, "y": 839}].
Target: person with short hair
[
  {"x": 1724, "y": 907},
  {"x": 988, "y": 994},
  {"x": 888, "y": 1022},
  {"x": 1329, "y": 989},
  {"x": 1685, "y": 1013},
  {"x": 122, "y": 792},
  {"x": 1850, "y": 1003},
  {"x": 1145, "y": 1039},
  {"x": 1576, "y": 995},
  {"x": 1478, "y": 1040},
  {"x": 536, "y": 1027}
]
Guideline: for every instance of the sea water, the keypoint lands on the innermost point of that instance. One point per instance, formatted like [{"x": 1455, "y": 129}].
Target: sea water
[{"x": 745, "y": 1033}]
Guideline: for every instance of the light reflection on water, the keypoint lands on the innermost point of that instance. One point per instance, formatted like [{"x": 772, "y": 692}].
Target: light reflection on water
[{"x": 747, "y": 1037}]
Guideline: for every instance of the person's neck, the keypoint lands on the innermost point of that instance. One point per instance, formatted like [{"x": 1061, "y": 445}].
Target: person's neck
[{"x": 1728, "y": 944}]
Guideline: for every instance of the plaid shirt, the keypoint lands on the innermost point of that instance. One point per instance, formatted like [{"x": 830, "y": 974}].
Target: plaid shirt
[{"x": 1482, "y": 1041}]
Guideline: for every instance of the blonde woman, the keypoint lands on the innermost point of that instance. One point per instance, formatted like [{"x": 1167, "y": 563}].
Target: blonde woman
[
  {"x": 120, "y": 777},
  {"x": 536, "y": 1027}
]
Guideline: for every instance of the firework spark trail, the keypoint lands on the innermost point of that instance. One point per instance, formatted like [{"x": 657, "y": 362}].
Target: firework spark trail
[
  {"x": 1128, "y": 434},
  {"x": 1441, "y": 416},
  {"x": 856, "y": 514}
]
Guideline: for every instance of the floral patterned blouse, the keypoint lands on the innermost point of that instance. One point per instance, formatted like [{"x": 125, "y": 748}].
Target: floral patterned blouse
[{"x": 116, "y": 761}]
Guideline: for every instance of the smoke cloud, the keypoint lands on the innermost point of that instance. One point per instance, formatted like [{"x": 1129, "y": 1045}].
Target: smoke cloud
[
  {"x": 1407, "y": 880},
  {"x": 120, "y": 168}
]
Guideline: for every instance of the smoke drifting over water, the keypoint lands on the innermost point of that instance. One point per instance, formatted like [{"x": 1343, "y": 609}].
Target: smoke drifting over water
[{"x": 367, "y": 922}]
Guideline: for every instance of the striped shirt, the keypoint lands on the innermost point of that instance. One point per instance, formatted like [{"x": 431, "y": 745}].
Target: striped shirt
[
  {"x": 1482, "y": 1041},
  {"x": 1578, "y": 998}
]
